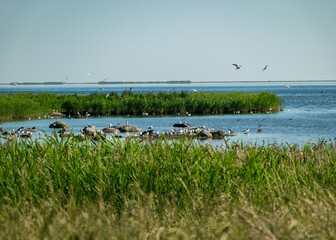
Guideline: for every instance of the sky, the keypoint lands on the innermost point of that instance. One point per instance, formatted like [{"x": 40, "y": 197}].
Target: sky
[{"x": 162, "y": 40}]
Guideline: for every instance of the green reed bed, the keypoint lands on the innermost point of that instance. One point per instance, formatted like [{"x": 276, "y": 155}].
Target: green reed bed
[
  {"x": 22, "y": 105},
  {"x": 113, "y": 189}
]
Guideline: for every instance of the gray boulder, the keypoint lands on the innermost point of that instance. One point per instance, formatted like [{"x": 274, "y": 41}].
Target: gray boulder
[
  {"x": 59, "y": 124},
  {"x": 111, "y": 130},
  {"x": 93, "y": 132},
  {"x": 128, "y": 128},
  {"x": 183, "y": 125},
  {"x": 218, "y": 134},
  {"x": 205, "y": 134}
]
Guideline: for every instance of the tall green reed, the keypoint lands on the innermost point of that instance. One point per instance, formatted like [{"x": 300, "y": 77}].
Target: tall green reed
[
  {"x": 176, "y": 172},
  {"x": 21, "y": 105}
]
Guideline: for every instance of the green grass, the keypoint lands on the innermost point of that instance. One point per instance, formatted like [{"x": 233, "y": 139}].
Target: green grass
[
  {"x": 181, "y": 189},
  {"x": 24, "y": 105}
]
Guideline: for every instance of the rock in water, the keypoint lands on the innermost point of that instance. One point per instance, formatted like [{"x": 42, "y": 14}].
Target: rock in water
[
  {"x": 59, "y": 124},
  {"x": 111, "y": 130},
  {"x": 129, "y": 128},
  {"x": 204, "y": 134},
  {"x": 183, "y": 125}
]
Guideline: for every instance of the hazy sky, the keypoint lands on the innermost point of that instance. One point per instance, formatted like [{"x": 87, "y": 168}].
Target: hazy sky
[{"x": 198, "y": 40}]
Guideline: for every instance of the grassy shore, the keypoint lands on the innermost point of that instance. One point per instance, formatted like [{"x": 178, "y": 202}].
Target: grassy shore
[
  {"x": 66, "y": 189},
  {"x": 24, "y": 105}
]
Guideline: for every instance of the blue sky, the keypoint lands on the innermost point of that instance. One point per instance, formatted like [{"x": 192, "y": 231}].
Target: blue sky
[{"x": 145, "y": 40}]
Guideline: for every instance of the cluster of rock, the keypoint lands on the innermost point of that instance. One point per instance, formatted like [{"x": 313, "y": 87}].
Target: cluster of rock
[
  {"x": 197, "y": 132},
  {"x": 120, "y": 128},
  {"x": 21, "y": 132},
  {"x": 92, "y": 131},
  {"x": 184, "y": 130}
]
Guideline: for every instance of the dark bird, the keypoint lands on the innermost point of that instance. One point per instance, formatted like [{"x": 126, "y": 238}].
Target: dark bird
[
  {"x": 264, "y": 69},
  {"x": 236, "y": 65}
]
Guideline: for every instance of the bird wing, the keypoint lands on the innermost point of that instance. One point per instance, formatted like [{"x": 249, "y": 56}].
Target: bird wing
[{"x": 236, "y": 65}]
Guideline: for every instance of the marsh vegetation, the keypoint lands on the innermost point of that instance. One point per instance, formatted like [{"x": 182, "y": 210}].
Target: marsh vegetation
[
  {"x": 24, "y": 105},
  {"x": 66, "y": 188}
]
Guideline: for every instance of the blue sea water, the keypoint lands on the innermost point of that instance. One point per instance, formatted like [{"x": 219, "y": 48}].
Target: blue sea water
[{"x": 309, "y": 111}]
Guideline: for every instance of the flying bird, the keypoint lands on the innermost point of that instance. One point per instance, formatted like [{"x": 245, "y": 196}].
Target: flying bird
[
  {"x": 264, "y": 69},
  {"x": 89, "y": 74},
  {"x": 236, "y": 65}
]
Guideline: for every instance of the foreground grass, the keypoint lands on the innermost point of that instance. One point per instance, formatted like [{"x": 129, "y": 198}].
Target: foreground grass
[
  {"x": 24, "y": 105},
  {"x": 132, "y": 190}
]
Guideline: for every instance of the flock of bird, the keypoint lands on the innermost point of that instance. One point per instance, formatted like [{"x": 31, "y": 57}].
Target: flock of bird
[
  {"x": 64, "y": 132},
  {"x": 239, "y": 67}
]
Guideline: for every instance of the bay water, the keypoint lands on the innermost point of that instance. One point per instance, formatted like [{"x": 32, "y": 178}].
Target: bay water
[{"x": 309, "y": 111}]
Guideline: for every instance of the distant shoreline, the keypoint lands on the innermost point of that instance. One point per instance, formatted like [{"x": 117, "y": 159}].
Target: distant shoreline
[{"x": 163, "y": 82}]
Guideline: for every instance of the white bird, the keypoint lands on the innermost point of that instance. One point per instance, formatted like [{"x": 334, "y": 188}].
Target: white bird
[
  {"x": 264, "y": 69},
  {"x": 247, "y": 131},
  {"x": 194, "y": 90},
  {"x": 236, "y": 65},
  {"x": 287, "y": 86},
  {"x": 90, "y": 74}
]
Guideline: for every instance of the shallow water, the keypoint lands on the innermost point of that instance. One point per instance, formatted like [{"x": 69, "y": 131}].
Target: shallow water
[{"x": 309, "y": 112}]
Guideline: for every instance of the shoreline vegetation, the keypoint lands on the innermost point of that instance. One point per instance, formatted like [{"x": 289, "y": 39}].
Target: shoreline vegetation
[
  {"x": 68, "y": 189},
  {"x": 14, "y": 106}
]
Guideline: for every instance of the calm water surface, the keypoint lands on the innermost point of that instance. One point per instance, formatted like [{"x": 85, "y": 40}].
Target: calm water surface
[{"x": 309, "y": 112}]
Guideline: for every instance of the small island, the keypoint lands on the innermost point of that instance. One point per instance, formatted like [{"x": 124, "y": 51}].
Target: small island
[{"x": 29, "y": 105}]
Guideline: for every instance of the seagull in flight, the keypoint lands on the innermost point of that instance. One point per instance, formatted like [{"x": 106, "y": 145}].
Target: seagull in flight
[
  {"x": 89, "y": 74},
  {"x": 264, "y": 69},
  {"x": 236, "y": 65}
]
